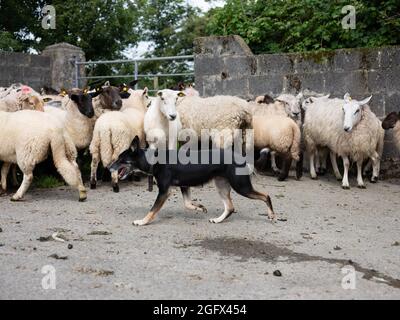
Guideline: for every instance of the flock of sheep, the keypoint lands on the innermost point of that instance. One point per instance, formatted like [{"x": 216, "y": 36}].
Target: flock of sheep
[{"x": 108, "y": 118}]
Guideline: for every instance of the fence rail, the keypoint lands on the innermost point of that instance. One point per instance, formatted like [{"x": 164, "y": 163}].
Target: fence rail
[{"x": 136, "y": 63}]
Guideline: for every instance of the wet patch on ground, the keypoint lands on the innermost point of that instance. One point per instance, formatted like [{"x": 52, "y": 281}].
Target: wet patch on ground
[{"x": 269, "y": 252}]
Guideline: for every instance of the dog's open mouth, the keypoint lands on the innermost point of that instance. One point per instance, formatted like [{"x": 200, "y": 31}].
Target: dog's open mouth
[{"x": 123, "y": 173}]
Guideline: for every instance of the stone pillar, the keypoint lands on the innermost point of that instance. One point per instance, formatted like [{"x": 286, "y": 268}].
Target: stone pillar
[{"x": 63, "y": 71}]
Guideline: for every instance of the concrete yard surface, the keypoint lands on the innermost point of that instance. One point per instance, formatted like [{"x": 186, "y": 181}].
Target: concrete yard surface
[{"x": 329, "y": 244}]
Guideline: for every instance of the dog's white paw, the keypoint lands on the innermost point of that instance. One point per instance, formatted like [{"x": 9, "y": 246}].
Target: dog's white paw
[{"x": 141, "y": 222}]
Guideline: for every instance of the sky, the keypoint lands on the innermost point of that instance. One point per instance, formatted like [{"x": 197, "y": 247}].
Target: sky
[{"x": 143, "y": 46}]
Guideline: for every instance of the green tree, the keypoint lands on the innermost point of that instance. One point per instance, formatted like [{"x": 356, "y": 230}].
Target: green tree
[
  {"x": 102, "y": 28},
  {"x": 303, "y": 25}
]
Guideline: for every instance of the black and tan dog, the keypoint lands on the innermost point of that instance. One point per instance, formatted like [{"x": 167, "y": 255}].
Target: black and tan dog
[{"x": 188, "y": 175}]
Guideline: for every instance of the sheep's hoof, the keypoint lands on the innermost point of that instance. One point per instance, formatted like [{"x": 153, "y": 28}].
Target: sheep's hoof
[
  {"x": 345, "y": 187},
  {"x": 339, "y": 178},
  {"x": 82, "y": 196},
  {"x": 16, "y": 199},
  {"x": 2, "y": 191},
  {"x": 314, "y": 178},
  {"x": 362, "y": 186},
  {"x": 374, "y": 180},
  {"x": 93, "y": 185},
  {"x": 282, "y": 178},
  {"x": 116, "y": 188}
]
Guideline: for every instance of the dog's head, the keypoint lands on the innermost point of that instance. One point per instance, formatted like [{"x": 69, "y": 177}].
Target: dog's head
[{"x": 127, "y": 161}]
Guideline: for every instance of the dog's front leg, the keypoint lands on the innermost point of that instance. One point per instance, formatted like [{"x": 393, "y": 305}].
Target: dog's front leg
[
  {"x": 161, "y": 198},
  {"x": 188, "y": 201}
]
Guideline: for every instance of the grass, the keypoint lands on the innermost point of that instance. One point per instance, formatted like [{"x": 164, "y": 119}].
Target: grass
[{"x": 46, "y": 182}]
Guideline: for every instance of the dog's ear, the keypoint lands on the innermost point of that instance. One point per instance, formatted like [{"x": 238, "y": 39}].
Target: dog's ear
[
  {"x": 135, "y": 145},
  {"x": 133, "y": 83}
]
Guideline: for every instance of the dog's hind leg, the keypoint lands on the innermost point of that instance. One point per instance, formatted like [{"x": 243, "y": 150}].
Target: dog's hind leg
[
  {"x": 242, "y": 185},
  {"x": 161, "y": 198},
  {"x": 188, "y": 201},
  {"x": 224, "y": 191}
]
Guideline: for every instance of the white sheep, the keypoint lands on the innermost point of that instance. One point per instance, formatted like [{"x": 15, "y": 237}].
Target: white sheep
[
  {"x": 21, "y": 98},
  {"x": 27, "y": 137},
  {"x": 281, "y": 134},
  {"x": 223, "y": 115},
  {"x": 276, "y": 132},
  {"x": 79, "y": 112},
  {"x": 349, "y": 129},
  {"x": 162, "y": 121},
  {"x": 114, "y": 132}
]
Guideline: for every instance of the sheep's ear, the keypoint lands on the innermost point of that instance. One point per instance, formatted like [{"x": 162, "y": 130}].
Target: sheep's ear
[
  {"x": 268, "y": 99},
  {"x": 181, "y": 94},
  {"x": 63, "y": 92},
  {"x": 159, "y": 93},
  {"x": 86, "y": 90},
  {"x": 365, "y": 101},
  {"x": 145, "y": 90},
  {"x": 133, "y": 83},
  {"x": 107, "y": 83},
  {"x": 347, "y": 97}
]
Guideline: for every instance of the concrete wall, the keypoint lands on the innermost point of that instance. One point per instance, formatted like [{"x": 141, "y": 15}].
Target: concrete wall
[
  {"x": 226, "y": 65},
  {"x": 33, "y": 70},
  {"x": 54, "y": 67}
]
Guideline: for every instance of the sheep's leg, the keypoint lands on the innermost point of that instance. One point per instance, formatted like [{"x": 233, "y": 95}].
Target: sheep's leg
[
  {"x": 26, "y": 182},
  {"x": 69, "y": 170},
  {"x": 360, "y": 181},
  {"x": 367, "y": 167},
  {"x": 14, "y": 175},
  {"x": 299, "y": 166},
  {"x": 4, "y": 173},
  {"x": 93, "y": 172},
  {"x": 273, "y": 163},
  {"x": 224, "y": 191},
  {"x": 188, "y": 201},
  {"x": 323, "y": 155},
  {"x": 312, "y": 166},
  {"x": 161, "y": 198},
  {"x": 346, "y": 165},
  {"x": 317, "y": 160},
  {"x": 376, "y": 167},
  {"x": 335, "y": 166},
  {"x": 287, "y": 162},
  {"x": 114, "y": 181}
]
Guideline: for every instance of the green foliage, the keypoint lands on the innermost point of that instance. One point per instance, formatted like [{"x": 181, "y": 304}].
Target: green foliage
[
  {"x": 305, "y": 25},
  {"x": 46, "y": 182},
  {"x": 102, "y": 28}
]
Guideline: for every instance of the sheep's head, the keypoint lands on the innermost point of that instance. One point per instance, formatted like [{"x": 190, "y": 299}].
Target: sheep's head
[
  {"x": 293, "y": 104},
  {"x": 352, "y": 110},
  {"x": 109, "y": 97},
  {"x": 83, "y": 100},
  {"x": 125, "y": 90},
  {"x": 391, "y": 120},
  {"x": 167, "y": 102},
  {"x": 31, "y": 102}
]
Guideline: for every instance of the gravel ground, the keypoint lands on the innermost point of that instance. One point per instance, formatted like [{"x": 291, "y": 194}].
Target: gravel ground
[{"x": 182, "y": 256}]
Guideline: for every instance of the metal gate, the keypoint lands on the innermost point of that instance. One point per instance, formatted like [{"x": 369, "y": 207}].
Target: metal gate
[{"x": 136, "y": 75}]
